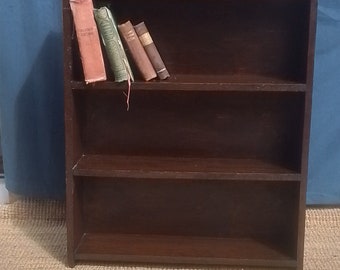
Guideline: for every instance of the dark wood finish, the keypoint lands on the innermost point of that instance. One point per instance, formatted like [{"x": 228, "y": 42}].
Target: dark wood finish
[
  {"x": 160, "y": 167},
  {"x": 202, "y": 83},
  {"x": 209, "y": 166},
  {"x": 197, "y": 207},
  {"x": 162, "y": 249}
]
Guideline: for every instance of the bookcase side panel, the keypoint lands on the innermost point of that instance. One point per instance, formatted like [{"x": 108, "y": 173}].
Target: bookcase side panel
[{"x": 312, "y": 21}]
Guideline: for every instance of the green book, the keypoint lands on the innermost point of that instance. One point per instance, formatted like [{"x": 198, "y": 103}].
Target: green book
[{"x": 113, "y": 45}]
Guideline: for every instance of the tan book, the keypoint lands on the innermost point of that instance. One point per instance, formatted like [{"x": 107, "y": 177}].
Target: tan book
[
  {"x": 88, "y": 40},
  {"x": 137, "y": 51},
  {"x": 151, "y": 50}
]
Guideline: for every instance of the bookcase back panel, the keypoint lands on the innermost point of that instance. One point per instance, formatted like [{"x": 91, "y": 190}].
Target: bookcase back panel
[
  {"x": 187, "y": 124},
  {"x": 262, "y": 38},
  {"x": 261, "y": 210}
]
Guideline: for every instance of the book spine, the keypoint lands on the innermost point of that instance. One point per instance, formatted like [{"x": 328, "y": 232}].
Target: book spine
[
  {"x": 113, "y": 44},
  {"x": 88, "y": 40},
  {"x": 137, "y": 51},
  {"x": 151, "y": 50}
]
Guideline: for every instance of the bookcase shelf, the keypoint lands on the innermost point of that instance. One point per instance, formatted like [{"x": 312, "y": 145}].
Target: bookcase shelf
[
  {"x": 208, "y": 166},
  {"x": 199, "y": 226},
  {"x": 182, "y": 168},
  {"x": 191, "y": 83},
  {"x": 140, "y": 248}
]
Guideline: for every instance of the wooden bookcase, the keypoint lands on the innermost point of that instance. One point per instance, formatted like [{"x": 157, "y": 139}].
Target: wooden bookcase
[{"x": 209, "y": 166}]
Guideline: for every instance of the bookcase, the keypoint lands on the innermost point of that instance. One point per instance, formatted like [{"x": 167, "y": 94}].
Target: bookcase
[{"x": 208, "y": 166}]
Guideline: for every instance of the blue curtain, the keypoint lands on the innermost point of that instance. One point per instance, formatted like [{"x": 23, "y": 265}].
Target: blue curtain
[
  {"x": 31, "y": 101},
  {"x": 31, "y": 97},
  {"x": 324, "y": 158}
]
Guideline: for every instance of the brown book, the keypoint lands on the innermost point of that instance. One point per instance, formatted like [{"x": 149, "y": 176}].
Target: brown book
[
  {"x": 151, "y": 50},
  {"x": 88, "y": 40},
  {"x": 137, "y": 51}
]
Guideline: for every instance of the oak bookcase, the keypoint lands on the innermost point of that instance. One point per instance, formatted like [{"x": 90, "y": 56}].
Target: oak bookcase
[{"x": 209, "y": 166}]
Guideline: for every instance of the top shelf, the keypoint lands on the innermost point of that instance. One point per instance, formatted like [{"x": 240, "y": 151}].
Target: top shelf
[
  {"x": 249, "y": 45},
  {"x": 203, "y": 83}
]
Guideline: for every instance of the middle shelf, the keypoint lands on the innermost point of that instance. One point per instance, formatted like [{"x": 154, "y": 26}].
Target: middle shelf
[
  {"x": 182, "y": 168},
  {"x": 224, "y": 135}
]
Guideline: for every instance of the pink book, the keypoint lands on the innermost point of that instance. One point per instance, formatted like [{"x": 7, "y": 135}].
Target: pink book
[{"x": 88, "y": 40}]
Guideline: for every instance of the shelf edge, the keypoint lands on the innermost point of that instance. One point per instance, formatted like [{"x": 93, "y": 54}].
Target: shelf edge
[{"x": 192, "y": 86}]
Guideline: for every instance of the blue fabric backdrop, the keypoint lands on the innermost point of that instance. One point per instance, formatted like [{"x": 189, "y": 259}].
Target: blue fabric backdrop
[
  {"x": 31, "y": 101},
  {"x": 31, "y": 97},
  {"x": 324, "y": 158}
]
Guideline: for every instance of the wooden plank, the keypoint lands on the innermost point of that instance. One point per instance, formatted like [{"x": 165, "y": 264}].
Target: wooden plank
[
  {"x": 177, "y": 249},
  {"x": 202, "y": 83},
  {"x": 182, "y": 168}
]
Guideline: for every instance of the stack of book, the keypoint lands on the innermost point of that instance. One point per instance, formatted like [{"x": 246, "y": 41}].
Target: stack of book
[{"x": 91, "y": 24}]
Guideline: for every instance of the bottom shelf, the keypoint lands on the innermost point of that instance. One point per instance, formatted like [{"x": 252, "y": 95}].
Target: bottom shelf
[{"x": 177, "y": 249}]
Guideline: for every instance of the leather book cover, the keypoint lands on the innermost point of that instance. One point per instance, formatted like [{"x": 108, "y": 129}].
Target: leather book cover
[
  {"x": 151, "y": 50},
  {"x": 113, "y": 45},
  {"x": 137, "y": 51},
  {"x": 88, "y": 40}
]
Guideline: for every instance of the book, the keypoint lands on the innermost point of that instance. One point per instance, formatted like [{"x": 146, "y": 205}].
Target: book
[
  {"x": 137, "y": 51},
  {"x": 113, "y": 45},
  {"x": 151, "y": 50},
  {"x": 88, "y": 40}
]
